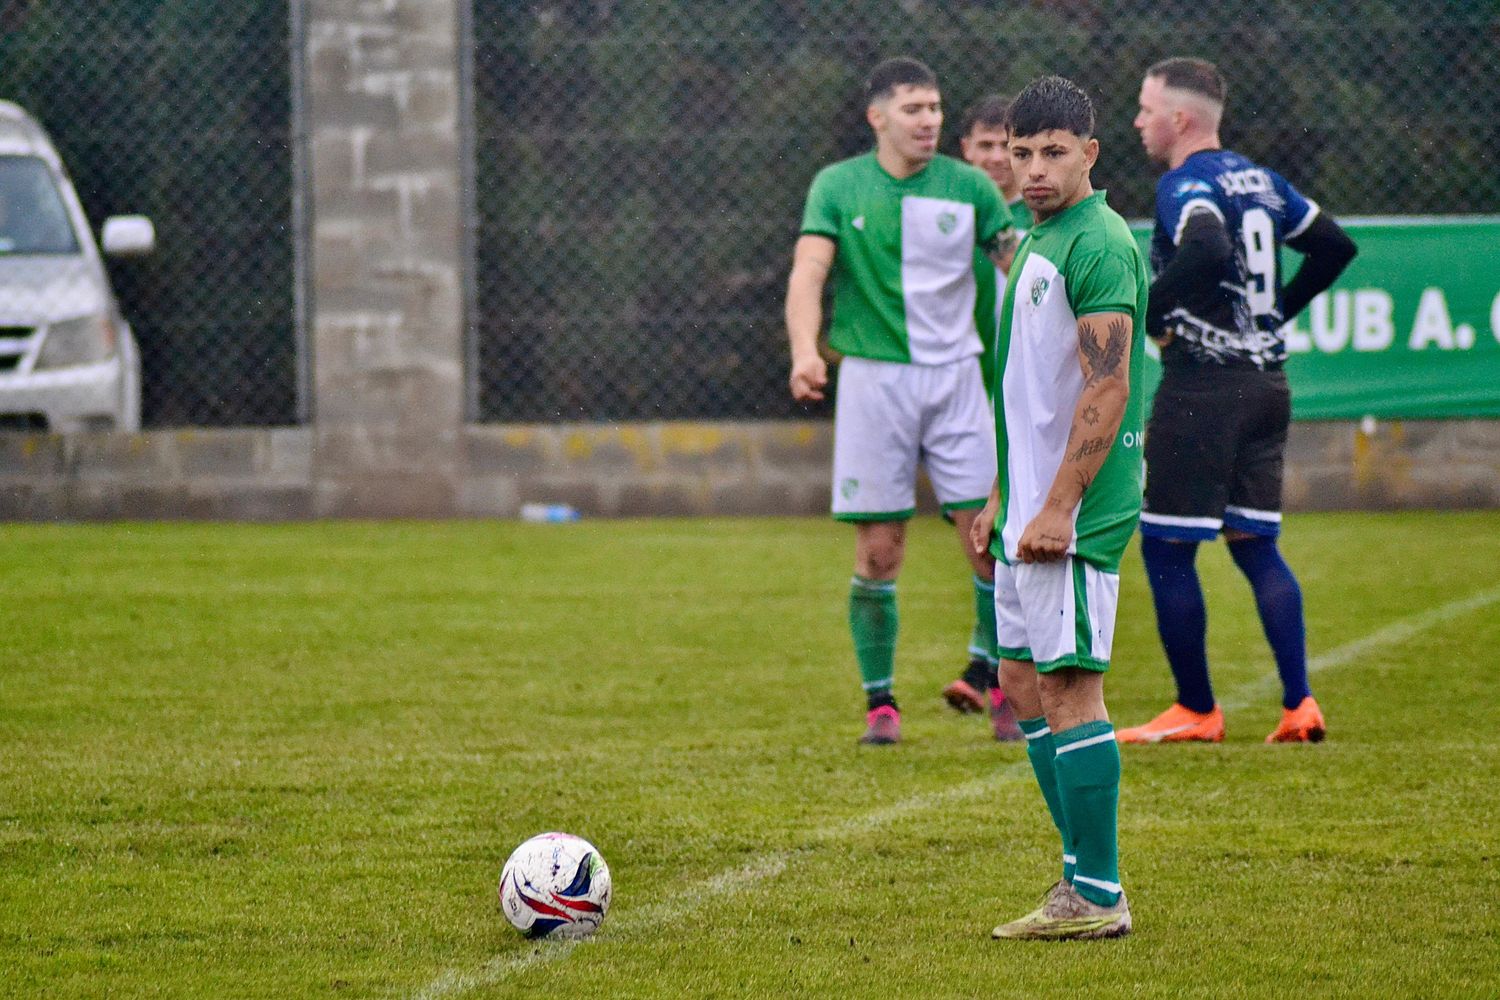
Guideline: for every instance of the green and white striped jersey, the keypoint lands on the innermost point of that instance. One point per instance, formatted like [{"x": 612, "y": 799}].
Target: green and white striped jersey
[
  {"x": 904, "y": 286},
  {"x": 1081, "y": 261}
]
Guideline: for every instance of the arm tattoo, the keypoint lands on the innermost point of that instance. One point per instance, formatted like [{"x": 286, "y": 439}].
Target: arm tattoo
[
  {"x": 1002, "y": 243},
  {"x": 1092, "y": 446},
  {"x": 1104, "y": 359},
  {"x": 1091, "y": 415}
]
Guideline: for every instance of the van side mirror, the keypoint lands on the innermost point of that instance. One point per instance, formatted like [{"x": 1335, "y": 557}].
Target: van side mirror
[{"x": 128, "y": 236}]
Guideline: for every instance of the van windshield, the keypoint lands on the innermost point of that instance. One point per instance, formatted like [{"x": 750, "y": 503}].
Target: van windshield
[{"x": 33, "y": 219}]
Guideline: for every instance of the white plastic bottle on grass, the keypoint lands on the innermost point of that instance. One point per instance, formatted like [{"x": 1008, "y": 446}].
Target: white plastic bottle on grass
[{"x": 548, "y": 513}]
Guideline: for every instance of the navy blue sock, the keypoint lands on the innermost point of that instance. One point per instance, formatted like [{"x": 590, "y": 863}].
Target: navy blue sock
[
  {"x": 1279, "y": 599},
  {"x": 1181, "y": 618}
]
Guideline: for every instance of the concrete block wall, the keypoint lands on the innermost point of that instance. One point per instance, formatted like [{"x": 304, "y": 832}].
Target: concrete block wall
[
  {"x": 251, "y": 474},
  {"x": 650, "y": 469},
  {"x": 385, "y": 311},
  {"x": 625, "y": 470},
  {"x": 1393, "y": 465}
]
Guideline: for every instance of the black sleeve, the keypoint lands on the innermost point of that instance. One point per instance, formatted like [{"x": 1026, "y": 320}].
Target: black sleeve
[
  {"x": 1202, "y": 255},
  {"x": 1327, "y": 250}
]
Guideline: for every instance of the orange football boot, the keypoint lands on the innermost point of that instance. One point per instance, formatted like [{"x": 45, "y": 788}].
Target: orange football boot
[
  {"x": 1303, "y": 724},
  {"x": 1178, "y": 724},
  {"x": 964, "y": 697}
]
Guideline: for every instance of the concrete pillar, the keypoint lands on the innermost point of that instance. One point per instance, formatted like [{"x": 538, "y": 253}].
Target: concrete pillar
[{"x": 386, "y": 311}]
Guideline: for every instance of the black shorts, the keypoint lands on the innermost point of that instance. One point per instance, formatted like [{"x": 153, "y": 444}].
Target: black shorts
[{"x": 1214, "y": 449}]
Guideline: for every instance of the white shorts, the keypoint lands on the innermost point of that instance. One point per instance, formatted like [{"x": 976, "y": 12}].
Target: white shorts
[
  {"x": 890, "y": 416},
  {"x": 1056, "y": 614}
]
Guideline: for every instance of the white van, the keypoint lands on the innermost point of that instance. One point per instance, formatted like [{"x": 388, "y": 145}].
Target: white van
[{"x": 68, "y": 360}]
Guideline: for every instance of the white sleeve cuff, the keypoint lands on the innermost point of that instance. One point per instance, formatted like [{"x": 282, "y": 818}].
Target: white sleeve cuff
[{"x": 1188, "y": 210}]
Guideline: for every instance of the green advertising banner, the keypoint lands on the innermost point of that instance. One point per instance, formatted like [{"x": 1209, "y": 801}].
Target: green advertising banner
[{"x": 1411, "y": 330}]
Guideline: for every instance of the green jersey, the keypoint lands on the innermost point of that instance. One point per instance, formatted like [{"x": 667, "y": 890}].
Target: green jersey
[
  {"x": 1020, "y": 215},
  {"x": 990, "y": 279},
  {"x": 1081, "y": 261},
  {"x": 904, "y": 287}
]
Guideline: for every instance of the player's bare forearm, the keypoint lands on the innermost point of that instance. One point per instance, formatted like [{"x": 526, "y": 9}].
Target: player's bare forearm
[
  {"x": 984, "y": 522},
  {"x": 804, "y": 312},
  {"x": 804, "y": 305},
  {"x": 1002, "y": 249},
  {"x": 1104, "y": 355},
  {"x": 804, "y": 315}
]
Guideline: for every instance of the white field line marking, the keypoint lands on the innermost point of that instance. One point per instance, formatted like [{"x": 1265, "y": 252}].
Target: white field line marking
[
  {"x": 772, "y": 863},
  {"x": 1375, "y": 643},
  {"x": 725, "y": 884}
]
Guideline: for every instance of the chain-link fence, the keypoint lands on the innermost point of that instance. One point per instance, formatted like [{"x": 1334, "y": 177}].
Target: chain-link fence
[
  {"x": 640, "y": 166},
  {"x": 181, "y": 111}
]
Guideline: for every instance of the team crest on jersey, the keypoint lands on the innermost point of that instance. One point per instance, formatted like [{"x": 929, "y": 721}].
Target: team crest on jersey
[
  {"x": 848, "y": 488},
  {"x": 946, "y": 221},
  {"x": 1038, "y": 290}
]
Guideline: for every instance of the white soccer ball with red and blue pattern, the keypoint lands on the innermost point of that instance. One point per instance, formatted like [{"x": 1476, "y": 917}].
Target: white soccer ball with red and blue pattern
[{"x": 555, "y": 885}]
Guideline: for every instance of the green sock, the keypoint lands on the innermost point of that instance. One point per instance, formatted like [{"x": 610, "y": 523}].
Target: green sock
[
  {"x": 873, "y": 621},
  {"x": 982, "y": 642},
  {"x": 1088, "y": 776},
  {"x": 1040, "y": 748}
]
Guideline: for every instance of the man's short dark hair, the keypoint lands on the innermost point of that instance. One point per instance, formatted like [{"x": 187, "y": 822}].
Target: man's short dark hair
[
  {"x": 1051, "y": 102},
  {"x": 988, "y": 112},
  {"x": 903, "y": 71},
  {"x": 1197, "y": 76}
]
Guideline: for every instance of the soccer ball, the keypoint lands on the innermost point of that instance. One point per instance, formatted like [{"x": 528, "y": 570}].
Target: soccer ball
[{"x": 555, "y": 885}]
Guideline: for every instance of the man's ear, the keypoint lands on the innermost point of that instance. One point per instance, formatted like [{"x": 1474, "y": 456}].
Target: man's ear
[
  {"x": 1091, "y": 152},
  {"x": 875, "y": 115}
]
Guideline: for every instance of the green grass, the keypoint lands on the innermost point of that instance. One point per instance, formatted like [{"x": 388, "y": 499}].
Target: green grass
[{"x": 286, "y": 761}]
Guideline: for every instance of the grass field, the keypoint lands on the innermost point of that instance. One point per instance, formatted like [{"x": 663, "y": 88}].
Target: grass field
[{"x": 288, "y": 761}]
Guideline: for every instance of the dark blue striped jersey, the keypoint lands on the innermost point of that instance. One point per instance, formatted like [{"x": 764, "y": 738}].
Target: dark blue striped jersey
[{"x": 1237, "y": 320}]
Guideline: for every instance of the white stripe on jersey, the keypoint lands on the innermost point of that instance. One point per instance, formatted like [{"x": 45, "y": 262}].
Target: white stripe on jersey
[
  {"x": 1301, "y": 227},
  {"x": 937, "y": 279}
]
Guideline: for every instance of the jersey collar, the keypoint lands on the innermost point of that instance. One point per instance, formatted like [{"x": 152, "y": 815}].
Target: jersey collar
[{"x": 1098, "y": 195}]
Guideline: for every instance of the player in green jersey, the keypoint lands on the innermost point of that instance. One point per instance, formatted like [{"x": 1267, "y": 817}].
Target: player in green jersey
[
  {"x": 896, "y": 230},
  {"x": 983, "y": 141},
  {"x": 1067, "y": 495}
]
